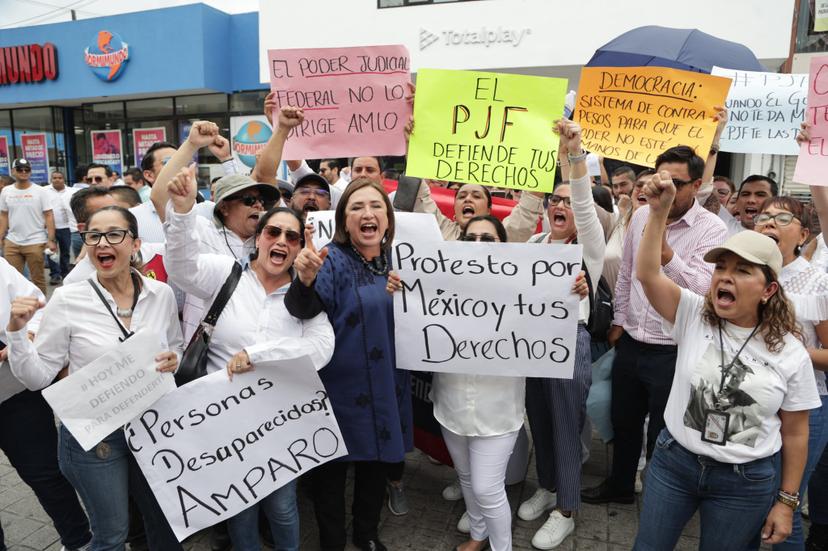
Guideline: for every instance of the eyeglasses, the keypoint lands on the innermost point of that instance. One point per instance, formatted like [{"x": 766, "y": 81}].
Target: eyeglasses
[
  {"x": 291, "y": 236},
  {"x": 681, "y": 183},
  {"x": 305, "y": 191},
  {"x": 23, "y": 169},
  {"x": 96, "y": 179},
  {"x": 113, "y": 237},
  {"x": 781, "y": 219},
  {"x": 484, "y": 237},
  {"x": 250, "y": 200},
  {"x": 555, "y": 199}
]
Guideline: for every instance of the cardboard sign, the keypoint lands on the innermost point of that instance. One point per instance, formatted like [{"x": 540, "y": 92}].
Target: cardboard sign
[
  {"x": 107, "y": 149},
  {"x": 486, "y": 128},
  {"x": 812, "y": 163},
  {"x": 635, "y": 113},
  {"x": 353, "y": 99},
  {"x": 410, "y": 227},
  {"x": 99, "y": 398},
  {"x": 764, "y": 111},
  {"x": 487, "y": 308},
  {"x": 36, "y": 150},
  {"x": 143, "y": 138},
  {"x": 214, "y": 447}
]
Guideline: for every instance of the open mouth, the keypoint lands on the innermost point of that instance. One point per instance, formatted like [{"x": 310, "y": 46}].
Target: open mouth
[
  {"x": 750, "y": 212},
  {"x": 642, "y": 199},
  {"x": 255, "y": 216},
  {"x": 277, "y": 256},
  {"x": 725, "y": 297},
  {"x": 309, "y": 207},
  {"x": 369, "y": 229},
  {"x": 106, "y": 260},
  {"x": 772, "y": 236},
  {"x": 468, "y": 210}
]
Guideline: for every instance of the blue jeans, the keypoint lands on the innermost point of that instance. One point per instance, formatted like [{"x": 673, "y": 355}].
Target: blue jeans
[
  {"x": 64, "y": 241},
  {"x": 104, "y": 483},
  {"x": 733, "y": 500},
  {"x": 818, "y": 492},
  {"x": 77, "y": 243},
  {"x": 280, "y": 509},
  {"x": 817, "y": 438}
]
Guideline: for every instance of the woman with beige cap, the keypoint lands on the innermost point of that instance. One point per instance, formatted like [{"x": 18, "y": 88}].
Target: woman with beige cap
[{"x": 740, "y": 397}]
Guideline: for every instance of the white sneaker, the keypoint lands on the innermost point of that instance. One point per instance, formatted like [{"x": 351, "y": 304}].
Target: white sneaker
[
  {"x": 538, "y": 504},
  {"x": 452, "y": 492},
  {"x": 464, "y": 524},
  {"x": 553, "y": 531},
  {"x": 639, "y": 483}
]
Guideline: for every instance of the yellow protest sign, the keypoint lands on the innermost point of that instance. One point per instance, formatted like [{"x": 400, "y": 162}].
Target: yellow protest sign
[
  {"x": 635, "y": 113},
  {"x": 486, "y": 128}
]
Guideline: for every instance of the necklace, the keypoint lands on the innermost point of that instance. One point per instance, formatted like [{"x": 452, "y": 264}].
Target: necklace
[
  {"x": 136, "y": 290},
  {"x": 377, "y": 266}
]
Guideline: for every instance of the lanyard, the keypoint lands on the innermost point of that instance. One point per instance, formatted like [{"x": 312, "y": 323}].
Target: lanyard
[
  {"x": 726, "y": 370},
  {"x": 136, "y": 290}
]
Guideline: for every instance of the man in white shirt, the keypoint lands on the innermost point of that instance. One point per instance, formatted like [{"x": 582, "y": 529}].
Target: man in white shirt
[
  {"x": 752, "y": 193},
  {"x": 26, "y": 214},
  {"x": 99, "y": 175},
  {"x": 329, "y": 169},
  {"x": 59, "y": 194}
]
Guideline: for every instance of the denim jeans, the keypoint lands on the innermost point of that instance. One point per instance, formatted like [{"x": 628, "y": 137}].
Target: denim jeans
[
  {"x": 77, "y": 243},
  {"x": 818, "y": 491},
  {"x": 29, "y": 439},
  {"x": 280, "y": 509},
  {"x": 817, "y": 438},
  {"x": 733, "y": 500},
  {"x": 105, "y": 477},
  {"x": 64, "y": 241}
]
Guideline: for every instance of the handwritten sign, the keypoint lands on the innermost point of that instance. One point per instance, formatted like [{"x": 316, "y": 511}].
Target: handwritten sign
[
  {"x": 98, "y": 399},
  {"x": 812, "y": 163},
  {"x": 820, "y": 16},
  {"x": 486, "y": 128},
  {"x": 409, "y": 227},
  {"x": 214, "y": 447},
  {"x": 635, "y": 113},
  {"x": 764, "y": 111},
  {"x": 487, "y": 309},
  {"x": 353, "y": 99}
]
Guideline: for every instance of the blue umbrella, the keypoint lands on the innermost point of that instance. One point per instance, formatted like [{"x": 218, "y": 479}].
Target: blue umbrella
[{"x": 688, "y": 49}]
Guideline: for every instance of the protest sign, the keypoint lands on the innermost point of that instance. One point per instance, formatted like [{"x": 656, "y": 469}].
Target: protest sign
[
  {"x": 635, "y": 113},
  {"x": 214, "y": 447},
  {"x": 36, "y": 150},
  {"x": 486, "y": 128},
  {"x": 94, "y": 401},
  {"x": 353, "y": 99},
  {"x": 143, "y": 138},
  {"x": 812, "y": 163},
  {"x": 820, "y": 16},
  {"x": 107, "y": 149},
  {"x": 409, "y": 226},
  {"x": 5, "y": 164},
  {"x": 486, "y": 308},
  {"x": 764, "y": 111}
]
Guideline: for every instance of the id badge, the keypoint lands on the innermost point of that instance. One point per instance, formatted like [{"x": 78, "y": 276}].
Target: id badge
[{"x": 715, "y": 427}]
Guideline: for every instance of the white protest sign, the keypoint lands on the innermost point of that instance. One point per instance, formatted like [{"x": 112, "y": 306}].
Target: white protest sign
[
  {"x": 487, "y": 308},
  {"x": 408, "y": 226},
  {"x": 764, "y": 111},
  {"x": 214, "y": 447},
  {"x": 99, "y": 398}
]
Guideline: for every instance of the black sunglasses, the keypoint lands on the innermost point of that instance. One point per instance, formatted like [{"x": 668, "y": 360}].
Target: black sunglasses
[
  {"x": 23, "y": 169},
  {"x": 250, "y": 200},
  {"x": 681, "y": 183},
  {"x": 291, "y": 236},
  {"x": 484, "y": 237}
]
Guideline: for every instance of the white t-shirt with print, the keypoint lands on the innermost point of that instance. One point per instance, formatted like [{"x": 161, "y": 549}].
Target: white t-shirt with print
[
  {"x": 756, "y": 388},
  {"x": 27, "y": 226}
]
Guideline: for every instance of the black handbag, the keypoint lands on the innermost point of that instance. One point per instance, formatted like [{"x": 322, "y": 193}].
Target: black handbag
[{"x": 194, "y": 360}]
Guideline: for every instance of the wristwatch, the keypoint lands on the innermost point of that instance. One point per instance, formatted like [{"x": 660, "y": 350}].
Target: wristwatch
[{"x": 791, "y": 500}]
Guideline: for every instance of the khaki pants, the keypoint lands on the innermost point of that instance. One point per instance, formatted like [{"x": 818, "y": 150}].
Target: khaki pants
[{"x": 31, "y": 255}]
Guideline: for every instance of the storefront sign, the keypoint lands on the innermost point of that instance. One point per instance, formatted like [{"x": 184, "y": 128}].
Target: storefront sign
[
  {"x": 28, "y": 63},
  {"x": 36, "y": 151},
  {"x": 143, "y": 138},
  {"x": 4, "y": 156},
  {"x": 107, "y": 149},
  {"x": 107, "y": 55},
  {"x": 481, "y": 36},
  {"x": 249, "y": 135}
]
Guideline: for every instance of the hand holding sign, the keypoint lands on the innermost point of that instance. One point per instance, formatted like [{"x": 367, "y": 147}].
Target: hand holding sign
[
  {"x": 167, "y": 362},
  {"x": 660, "y": 192},
  {"x": 269, "y": 106},
  {"x": 22, "y": 310},
  {"x": 394, "y": 283},
  {"x": 202, "y": 133},
  {"x": 308, "y": 262},
  {"x": 239, "y": 363},
  {"x": 182, "y": 189}
]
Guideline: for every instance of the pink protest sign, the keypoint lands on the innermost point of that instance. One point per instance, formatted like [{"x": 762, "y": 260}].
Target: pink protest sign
[
  {"x": 353, "y": 99},
  {"x": 812, "y": 163}
]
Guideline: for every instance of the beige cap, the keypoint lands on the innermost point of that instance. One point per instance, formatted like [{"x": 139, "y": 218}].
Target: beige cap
[{"x": 753, "y": 247}]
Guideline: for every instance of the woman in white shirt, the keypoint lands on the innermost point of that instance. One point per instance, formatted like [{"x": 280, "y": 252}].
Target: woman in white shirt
[
  {"x": 557, "y": 407},
  {"x": 786, "y": 221},
  {"x": 80, "y": 323},
  {"x": 254, "y": 326},
  {"x": 741, "y": 393}
]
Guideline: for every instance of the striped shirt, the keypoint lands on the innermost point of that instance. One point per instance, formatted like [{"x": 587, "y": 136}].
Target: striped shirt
[{"x": 690, "y": 237}]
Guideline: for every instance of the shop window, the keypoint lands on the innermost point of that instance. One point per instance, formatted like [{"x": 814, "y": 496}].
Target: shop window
[
  {"x": 149, "y": 108},
  {"x": 198, "y": 105},
  {"x": 103, "y": 112},
  {"x": 248, "y": 103}
]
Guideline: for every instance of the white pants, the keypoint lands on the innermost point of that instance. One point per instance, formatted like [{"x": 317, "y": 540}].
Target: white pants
[{"x": 480, "y": 462}]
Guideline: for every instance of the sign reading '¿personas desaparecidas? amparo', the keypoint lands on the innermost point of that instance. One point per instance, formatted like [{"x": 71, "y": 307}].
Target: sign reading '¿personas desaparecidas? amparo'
[
  {"x": 213, "y": 447},
  {"x": 487, "y": 309},
  {"x": 486, "y": 128}
]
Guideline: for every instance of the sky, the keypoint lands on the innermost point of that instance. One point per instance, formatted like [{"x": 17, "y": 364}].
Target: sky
[{"x": 22, "y": 13}]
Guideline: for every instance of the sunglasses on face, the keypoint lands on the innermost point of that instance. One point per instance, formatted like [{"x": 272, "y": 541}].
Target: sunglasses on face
[
  {"x": 23, "y": 169},
  {"x": 484, "y": 237},
  {"x": 113, "y": 237},
  {"x": 96, "y": 179},
  {"x": 291, "y": 236},
  {"x": 250, "y": 200},
  {"x": 681, "y": 183},
  {"x": 305, "y": 191},
  {"x": 781, "y": 219}
]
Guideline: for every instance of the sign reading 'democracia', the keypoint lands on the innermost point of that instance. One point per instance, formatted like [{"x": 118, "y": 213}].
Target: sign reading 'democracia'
[
  {"x": 214, "y": 447},
  {"x": 487, "y": 308}
]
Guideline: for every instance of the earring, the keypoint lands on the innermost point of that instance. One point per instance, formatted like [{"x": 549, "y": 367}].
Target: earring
[
  {"x": 764, "y": 301},
  {"x": 133, "y": 258}
]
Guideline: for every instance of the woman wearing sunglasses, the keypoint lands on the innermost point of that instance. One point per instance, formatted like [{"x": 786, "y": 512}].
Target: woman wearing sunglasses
[
  {"x": 557, "y": 407},
  {"x": 253, "y": 327},
  {"x": 786, "y": 221},
  {"x": 80, "y": 323}
]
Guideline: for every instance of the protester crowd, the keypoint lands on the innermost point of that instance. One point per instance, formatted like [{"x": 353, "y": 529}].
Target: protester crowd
[{"x": 716, "y": 338}]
